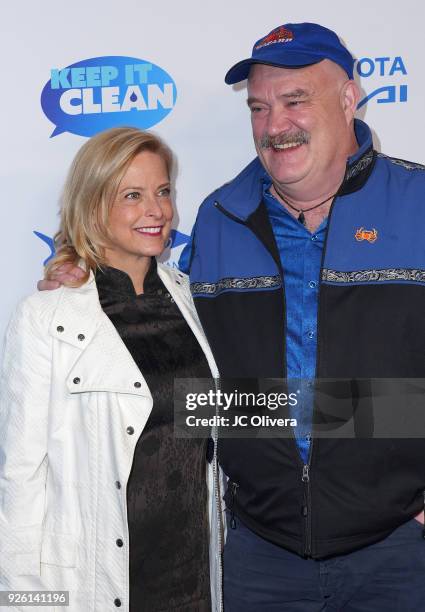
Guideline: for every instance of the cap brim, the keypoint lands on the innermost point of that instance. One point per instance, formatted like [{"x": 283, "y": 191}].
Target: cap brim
[{"x": 240, "y": 71}]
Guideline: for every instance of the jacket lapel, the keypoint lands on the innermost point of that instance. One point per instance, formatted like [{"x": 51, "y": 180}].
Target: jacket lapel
[
  {"x": 103, "y": 362},
  {"x": 177, "y": 284}
]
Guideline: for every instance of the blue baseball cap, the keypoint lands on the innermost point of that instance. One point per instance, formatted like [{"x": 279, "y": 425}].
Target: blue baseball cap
[{"x": 294, "y": 45}]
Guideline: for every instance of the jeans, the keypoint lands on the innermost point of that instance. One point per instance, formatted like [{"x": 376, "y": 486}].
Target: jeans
[{"x": 388, "y": 576}]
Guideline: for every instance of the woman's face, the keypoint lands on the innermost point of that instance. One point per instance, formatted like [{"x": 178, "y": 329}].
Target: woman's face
[{"x": 140, "y": 218}]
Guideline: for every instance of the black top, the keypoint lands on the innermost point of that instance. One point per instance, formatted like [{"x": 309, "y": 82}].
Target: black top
[{"x": 166, "y": 491}]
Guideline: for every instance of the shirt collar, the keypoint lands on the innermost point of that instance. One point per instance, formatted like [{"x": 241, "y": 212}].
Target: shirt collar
[
  {"x": 115, "y": 285},
  {"x": 242, "y": 196}
]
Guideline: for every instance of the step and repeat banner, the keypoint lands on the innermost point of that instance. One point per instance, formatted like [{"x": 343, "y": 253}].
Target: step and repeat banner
[{"x": 70, "y": 71}]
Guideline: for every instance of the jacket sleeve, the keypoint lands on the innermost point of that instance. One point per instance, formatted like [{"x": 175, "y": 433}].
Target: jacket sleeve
[{"x": 24, "y": 400}]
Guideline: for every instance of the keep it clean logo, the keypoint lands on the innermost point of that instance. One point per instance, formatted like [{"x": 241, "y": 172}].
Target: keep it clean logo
[
  {"x": 102, "y": 92},
  {"x": 391, "y": 68}
]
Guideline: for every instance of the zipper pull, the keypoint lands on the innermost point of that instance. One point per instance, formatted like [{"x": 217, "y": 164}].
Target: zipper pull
[
  {"x": 233, "y": 489},
  {"x": 306, "y": 475}
]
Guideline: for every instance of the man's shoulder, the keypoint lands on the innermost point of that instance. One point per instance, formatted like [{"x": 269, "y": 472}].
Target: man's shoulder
[
  {"x": 401, "y": 164},
  {"x": 252, "y": 172}
]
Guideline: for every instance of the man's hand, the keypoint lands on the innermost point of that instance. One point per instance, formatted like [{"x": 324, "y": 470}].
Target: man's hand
[{"x": 64, "y": 274}]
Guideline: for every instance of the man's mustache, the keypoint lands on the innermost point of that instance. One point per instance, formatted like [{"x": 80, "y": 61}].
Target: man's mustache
[{"x": 300, "y": 137}]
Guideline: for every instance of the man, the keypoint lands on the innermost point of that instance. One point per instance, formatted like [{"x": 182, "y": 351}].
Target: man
[{"x": 311, "y": 264}]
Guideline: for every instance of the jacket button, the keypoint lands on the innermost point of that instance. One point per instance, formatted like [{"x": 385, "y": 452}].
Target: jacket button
[
  {"x": 81, "y": 337},
  {"x": 130, "y": 430},
  {"x": 60, "y": 328},
  {"x": 137, "y": 384},
  {"x": 117, "y": 602},
  {"x": 76, "y": 380},
  {"x": 118, "y": 484},
  {"x": 119, "y": 543}
]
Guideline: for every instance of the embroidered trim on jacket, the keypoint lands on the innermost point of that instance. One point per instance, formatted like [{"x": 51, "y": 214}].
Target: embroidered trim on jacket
[
  {"x": 402, "y": 162},
  {"x": 360, "y": 165},
  {"x": 256, "y": 282},
  {"x": 367, "y": 276}
]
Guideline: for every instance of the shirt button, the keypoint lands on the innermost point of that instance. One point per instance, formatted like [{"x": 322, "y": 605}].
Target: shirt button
[
  {"x": 130, "y": 430},
  {"x": 76, "y": 380},
  {"x": 312, "y": 284},
  {"x": 117, "y": 602},
  {"x": 119, "y": 543},
  {"x": 60, "y": 328},
  {"x": 311, "y": 334},
  {"x": 314, "y": 238},
  {"x": 137, "y": 384},
  {"x": 118, "y": 484},
  {"x": 81, "y": 337}
]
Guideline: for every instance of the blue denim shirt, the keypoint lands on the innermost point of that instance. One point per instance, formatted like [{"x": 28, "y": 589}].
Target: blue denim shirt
[{"x": 300, "y": 256}]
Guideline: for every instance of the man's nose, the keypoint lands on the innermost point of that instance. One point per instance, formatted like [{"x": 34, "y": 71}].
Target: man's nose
[{"x": 278, "y": 121}]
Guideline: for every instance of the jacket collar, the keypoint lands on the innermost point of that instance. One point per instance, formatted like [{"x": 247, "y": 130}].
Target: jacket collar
[{"x": 242, "y": 196}]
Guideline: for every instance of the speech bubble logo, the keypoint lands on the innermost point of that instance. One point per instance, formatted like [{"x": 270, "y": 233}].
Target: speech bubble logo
[{"x": 103, "y": 92}]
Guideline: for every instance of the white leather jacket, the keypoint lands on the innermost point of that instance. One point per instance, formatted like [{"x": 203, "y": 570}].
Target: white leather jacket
[{"x": 73, "y": 404}]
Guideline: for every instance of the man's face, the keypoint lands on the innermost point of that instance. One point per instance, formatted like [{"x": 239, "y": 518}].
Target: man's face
[{"x": 300, "y": 120}]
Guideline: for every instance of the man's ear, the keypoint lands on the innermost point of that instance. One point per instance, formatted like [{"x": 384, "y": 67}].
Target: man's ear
[{"x": 350, "y": 96}]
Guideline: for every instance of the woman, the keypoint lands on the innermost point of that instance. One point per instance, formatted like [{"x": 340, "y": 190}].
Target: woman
[{"x": 97, "y": 496}]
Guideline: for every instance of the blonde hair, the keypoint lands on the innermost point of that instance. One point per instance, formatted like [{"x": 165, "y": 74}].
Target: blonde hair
[{"x": 90, "y": 189}]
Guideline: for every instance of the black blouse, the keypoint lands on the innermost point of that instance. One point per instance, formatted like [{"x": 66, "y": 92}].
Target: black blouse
[{"x": 166, "y": 491}]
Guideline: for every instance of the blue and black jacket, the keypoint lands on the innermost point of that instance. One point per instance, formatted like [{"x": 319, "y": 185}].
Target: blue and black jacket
[{"x": 371, "y": 324}]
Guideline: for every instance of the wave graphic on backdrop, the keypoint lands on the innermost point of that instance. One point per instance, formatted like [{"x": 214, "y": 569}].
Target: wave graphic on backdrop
[
  {"x": 103, "y": 92},
  {"x": 176, "y": 239},
  {"x": 50, "y": 243}
]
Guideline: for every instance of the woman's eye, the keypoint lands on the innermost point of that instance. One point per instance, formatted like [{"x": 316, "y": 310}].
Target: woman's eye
[
  {"x": 165, "y": 192},
  {"x": 134, "y": 195}
]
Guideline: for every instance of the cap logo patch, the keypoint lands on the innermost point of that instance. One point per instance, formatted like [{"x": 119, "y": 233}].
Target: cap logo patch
[
  {"x": 280, "y": 35},
  {"x": 369, "y": 235}
]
